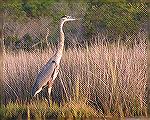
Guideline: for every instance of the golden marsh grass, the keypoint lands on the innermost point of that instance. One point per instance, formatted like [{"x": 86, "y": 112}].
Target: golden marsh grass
[{"x": 110, "y": 78}]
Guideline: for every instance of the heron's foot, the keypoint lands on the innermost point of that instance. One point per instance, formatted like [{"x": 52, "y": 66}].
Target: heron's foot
[
  {"x": 48, "y": 100},
  {"x": 49, "y": 103}
]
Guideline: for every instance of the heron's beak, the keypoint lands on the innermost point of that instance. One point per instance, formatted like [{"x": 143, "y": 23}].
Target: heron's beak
[
  {"x": 76, "y": 19},
  {"x": 79, "y": 19},
  {"x": 72, "y": 19}
]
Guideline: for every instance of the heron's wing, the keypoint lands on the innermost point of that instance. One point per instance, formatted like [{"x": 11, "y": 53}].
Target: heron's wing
[{"x": 45, "y": 74}]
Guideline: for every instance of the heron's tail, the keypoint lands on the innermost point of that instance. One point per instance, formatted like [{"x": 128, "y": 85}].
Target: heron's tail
[{"x": 35, "y": 90}]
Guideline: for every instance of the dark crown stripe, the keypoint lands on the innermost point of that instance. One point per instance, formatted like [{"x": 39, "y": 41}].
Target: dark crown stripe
[{"x": 64, "y": 16}]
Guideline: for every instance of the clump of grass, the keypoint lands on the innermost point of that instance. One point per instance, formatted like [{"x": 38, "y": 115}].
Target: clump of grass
[
  {"x": 39, "y": 110},
  {"x": 35, "y": 110},
  {"x": 79, "y": 110},
  {"x": 13, "y": 111}
]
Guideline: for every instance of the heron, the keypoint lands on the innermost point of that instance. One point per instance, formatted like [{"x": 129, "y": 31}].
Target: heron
[{"x": 50, "y": 70}]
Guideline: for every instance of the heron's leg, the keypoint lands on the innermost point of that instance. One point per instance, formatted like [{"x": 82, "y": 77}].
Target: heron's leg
[{"x": 49, "y": 91}]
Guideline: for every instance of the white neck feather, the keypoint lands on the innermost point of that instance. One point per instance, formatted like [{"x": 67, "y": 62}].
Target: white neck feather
[{"x": 60, "y": 46}]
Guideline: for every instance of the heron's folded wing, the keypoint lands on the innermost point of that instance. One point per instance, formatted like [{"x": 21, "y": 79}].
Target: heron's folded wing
[{"x": 45, "y": 74}]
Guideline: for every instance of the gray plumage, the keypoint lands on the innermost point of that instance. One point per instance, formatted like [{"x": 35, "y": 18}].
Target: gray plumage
[{"x": 46, "y": 74}]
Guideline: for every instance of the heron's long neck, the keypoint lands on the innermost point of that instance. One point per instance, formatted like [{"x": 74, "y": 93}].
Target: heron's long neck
[{"x": 61, "y": 41}]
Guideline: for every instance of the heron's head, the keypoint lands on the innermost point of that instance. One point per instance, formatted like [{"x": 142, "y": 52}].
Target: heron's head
[{"x": 67, "y": 18}]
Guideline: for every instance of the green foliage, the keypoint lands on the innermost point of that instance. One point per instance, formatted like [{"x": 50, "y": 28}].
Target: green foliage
[
  {"x": 117, "y": 17},
  {"x": 22, "y": 9},
  {"x": 2, "y": 111},
  {"x": 27, "y": 42},
  {"x": 13, "y": 110},
  {"x": 14, "y": 10},
  {"x": 11, "y": 41},
  {"x": 37, "y": 8}
]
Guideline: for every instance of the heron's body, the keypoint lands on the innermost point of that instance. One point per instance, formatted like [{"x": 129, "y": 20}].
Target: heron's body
[{"x": 49, "y": 72}]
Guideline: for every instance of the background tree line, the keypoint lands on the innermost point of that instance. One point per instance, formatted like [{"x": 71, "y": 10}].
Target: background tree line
[{"x": 29, "y": 24}]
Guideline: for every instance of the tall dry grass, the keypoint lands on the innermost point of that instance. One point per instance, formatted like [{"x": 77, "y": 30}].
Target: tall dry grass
[{"x": 109, "y": 77}]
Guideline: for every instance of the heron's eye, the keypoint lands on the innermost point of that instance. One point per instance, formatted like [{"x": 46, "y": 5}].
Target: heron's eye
[
  {"x": 53, "y": 61},
  {"x": 68, "y": 16}
]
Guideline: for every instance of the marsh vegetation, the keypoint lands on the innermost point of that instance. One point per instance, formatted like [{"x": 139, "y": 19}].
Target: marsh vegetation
[{"x": 99, "y": 80}]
